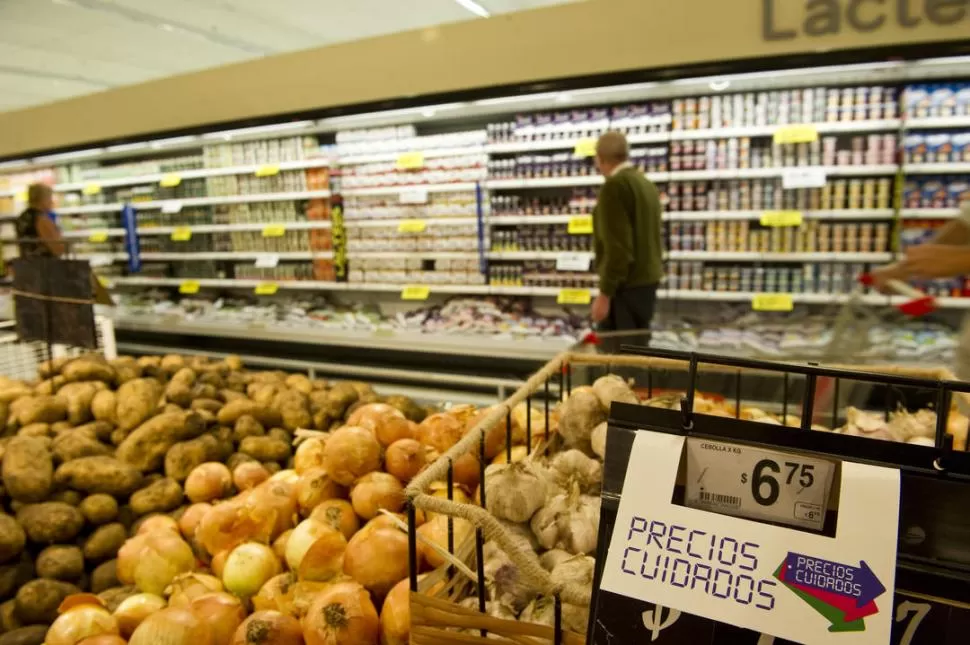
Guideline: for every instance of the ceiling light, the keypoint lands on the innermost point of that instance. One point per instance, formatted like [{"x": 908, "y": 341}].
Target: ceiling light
[
  {"x": 64, "y": 156},
  {"x": 124, "y": 147},
  {"x": 172, "y": 142},
  {"x": 428, "y": 113},
  {"x": 259, "y": 129},
  {"x": 525, "y": 98},
  {"x": 720, "y": 86},
  {"x": 564, "y": 97},
  {"x": 13, "y": 163},
  {"x": 403, "y": 112},
  {"x": 475, "y": 8},
  {"x": 166, "y": 27}
]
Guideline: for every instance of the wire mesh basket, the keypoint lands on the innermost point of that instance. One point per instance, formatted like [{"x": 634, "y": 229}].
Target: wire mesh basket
[{"x": 21, "y": 360}]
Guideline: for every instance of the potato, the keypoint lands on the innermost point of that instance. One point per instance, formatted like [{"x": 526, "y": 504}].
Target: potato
[
  {"x": 212, "y": 405},
  {"x": 411, "y": 410},
  {"x": 12, "y": 538},
  {"x": 137, "y": 401},
  {"x": 339, "y": 398},
  {"x": 100, "y": 430},
  {"x": 41, "y": 409},
  {"x": 61, "y": 562},
  {"x": 294, "y": 409},
  {"x": 208, "y": 418},
  {"x": 126, "y": 369},
  {"x": 299, "y": 382},
  {"x": 61, "y": 426},
  {"x": 182, "y": 457},
  {"x": 99, "y": 475},
  {"x": 88, "y": 368},
  {"x": 265, "y": 448},
  {"x": 103, "y": 406},
  {"x": 71, "y": 497},
  {"x": 14, "y": 392},
  {"x": 51, "y": 522},
  {"x": 8, "y": 617},
  {"x": 36, "y": 430},
  {"x": 237, "y": 458},
  {"x": 28, "y": 469},
  {"x": 104, "y": 542},
  {"x": 79, "y": 397},
  {"x": 171, "y": 364},
  {"x": 99, "y": 509},
  {"x": 204, "y": 390},
  {"x": 30, "y": 635},
  {"x": 146, "y": 446},
  {"x": 231, "y": 412},
  {"x": 228, "y": 396},
  {"x": 38, "y": 600},
  {"x": 50, "y": 386},
  {"x": 105, "y": 577},
  {"x": 78, "y": 443},
  {"x": 150, "y": 365},
  {"x": 224, "y": 446},
  {"x": 179, "y": 389},
  {"x": 281, "y": 435},
  {"x": 247, "y": 426},
  {"x": 159, "y": 497}
]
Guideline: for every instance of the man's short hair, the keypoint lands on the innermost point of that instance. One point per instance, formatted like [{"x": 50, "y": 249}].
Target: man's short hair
[
  {"x": 37, "y": 193},
  {"x": 612, "y": 147}
]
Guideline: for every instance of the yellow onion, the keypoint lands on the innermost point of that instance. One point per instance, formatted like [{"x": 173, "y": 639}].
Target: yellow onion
[
  {"x": 339, "y": 514},
  {"x": 314, "y": 487},
  {"x": 191, "y": 519},
  {"x": 231, "y": 523},
  {"x": 134, "y": 609},
  {"x": 440, "y": 490},
  {"x": 155, "y": 523},
  {"x": 309, "y": 454},
  {"x": 274, "y": 594},
  {"x": 222, "y": 612},
  {"x": 248, "y": 567},
  {"x": 288, "y": 476},
  {"x": 218, "y": 563},
  {"x": 436, "y": 530},
  {"x": 404, "y": 459},
  {"x": 207, "y": 482},
  {"x": 164, "y": 556},
  {"x": 172, "y": 626},
  {"x": 279, "y": 544},
  {"x": 249, "y": 475},
  {"x": 79, "y": 622},
  {"x": 395, "y": 622},
  {"x": 188, "y": 586},
  {"x": 440, "y": 431},
  {"x": 277, "y": 497},
  {"x": 467, "y": 471},
  {"x": 341, "y": 614},
  {"x": 302, "y": 594},
  {"x": 128, "y": 556},
  {"x": 371, "y": 411},
  {"x": 269, "y": 628},
  {"x": 351, "y": 453},
  {"x": 315, "y": 551},
  {"x": 377, "y": 559},
  {"x": 103, "y": 639},
  {"x": 376, "y": 491},
  {"x": 519, "y": 453}
]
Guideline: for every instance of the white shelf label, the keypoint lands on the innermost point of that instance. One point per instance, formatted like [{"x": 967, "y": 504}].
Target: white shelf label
[
  {"x": 758, "y": 484},
  {"x": 268, "y": 261},
  {"x": 573, "y": 261},
  {"x": 101, "y": 261},
  {"x": 803, "y": 178},
  {"x": 416, "y": 196},
  {"x": 172, "y": 207}
]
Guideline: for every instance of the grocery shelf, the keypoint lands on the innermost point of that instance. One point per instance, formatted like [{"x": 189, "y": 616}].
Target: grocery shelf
[
  {"x": 517, "y": 220},
  {"x": 456, "y": 187},
  {"x": 91, "y": 208},
  {"x": 748, "y": 256},
  {"x": 86, "y": 233},
  {"x": 568, "y": 143},
  {"x": 428, "y": 153},
  {"x": 199, "y": 228},
  {"x": 929, "y": 213},
  {"x": 194, "y": 256},
  {"x": 428, "y": 221},
  {"x": 430, "y": 255},
  {"x": 528, "y": 255},
  {"x": 835, "y": 127},
  {"x": 189, "y": 202},
  {"x": 747, "y": 296},
  {"x": 760, "y": 173},
  {"x": 850, "y": 214},
  {"x": 547, "y": 182},
  {"x": 917, "y": 123},
  {"x": 937, "y": 168}
]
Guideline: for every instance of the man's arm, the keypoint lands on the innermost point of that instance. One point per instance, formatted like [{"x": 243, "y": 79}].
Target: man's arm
[
  {"x": 946, "y": 254},
  {"x": 617, "y": 237},
  {"x": 50, "y": 235}
]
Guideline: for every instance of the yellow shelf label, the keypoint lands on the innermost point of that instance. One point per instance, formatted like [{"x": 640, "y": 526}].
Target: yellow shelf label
[
  {"x": 266, "y": 288},
  {"x": 274, "y": 231},
  {"x": 181, "y": 234},
  {"x": 268, "y": 170},
  {"x": 97, "y": 237},
  {"x": 170, "y": 181},
  {"x": 103, "y": 281},
  {"x": 410, "y": 161},
  {"x": 21, "y": 196},
  {"x": 91, "y": 189},
  {"x": 189, "y": 287},
  {"x": 574, "y": 297},
  {"x": 585, "y": 148},
  {"x": 412, "y": 226},
  {"x": 415, "y": 292},
  {"x": 581, "y": 225},
  {"x": 796, "y": 134},
  {"x": 782, "y": 218},
  {"x": 772, "y": 302}
]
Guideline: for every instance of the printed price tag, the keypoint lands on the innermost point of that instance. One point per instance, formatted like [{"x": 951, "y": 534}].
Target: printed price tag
[
  {"x": 796, "y": 134},
  {"x": 21, "y": 196},
  {"x": 170, "y": 181},
  {"x": 411, "y": 226},
  {"x": 91, "y": 189},
  {"x": 189, "y": 287},
  {"x": 410, "y": 161},
  {"x": 268, "y": 261},
  {"x": 416, "y": 196},
  {"x": 585, "y": 148},
  {"x": 758, "y": 484},
  {"x": 573, "y": 261},
  {"x": 181, "y": 234},
  {"x": 782, "y": 218},
  {"x": 574, "y": 297},
  {"x": 103, "y": 282},
  {"x": 581, "y": 225},
  {"x": 772, "y": 302},
  {"x": 274, "y": 231},
  {"x": 415, "y": 292},
  {"x": 792, "y": 178},
  {"x": 101, "y": 260},
  {"x": 268, "y": 170},
  {"x": 98, "y": 237},
  {"x": 266, "y": 289},
  {"x": 172, "y": 207}
]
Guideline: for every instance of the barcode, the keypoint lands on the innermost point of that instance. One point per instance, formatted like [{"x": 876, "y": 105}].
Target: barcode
[{"x": 716, "y": 498}]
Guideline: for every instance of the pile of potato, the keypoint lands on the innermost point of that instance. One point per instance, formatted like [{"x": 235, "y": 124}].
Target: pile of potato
[{"x": 97, "y": 446}]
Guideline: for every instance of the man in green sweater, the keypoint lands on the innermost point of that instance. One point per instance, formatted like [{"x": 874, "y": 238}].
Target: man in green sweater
[{"x": 626, "y": 239}]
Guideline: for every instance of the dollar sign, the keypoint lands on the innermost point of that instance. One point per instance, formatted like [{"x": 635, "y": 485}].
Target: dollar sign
[
  {"x": 766, "y": 640},
  {"x": 652, "y": 617}
]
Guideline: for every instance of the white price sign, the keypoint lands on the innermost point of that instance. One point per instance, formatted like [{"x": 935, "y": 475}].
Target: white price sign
[
  {"x": 803, "y": 178},
  {"x": 417, "y": 196},
  {"x": 268, "y": 261},
  {"x": 573, "y": 261},
  {"x": 759, "y": 484},
  {"x": 172, "y": 207}
]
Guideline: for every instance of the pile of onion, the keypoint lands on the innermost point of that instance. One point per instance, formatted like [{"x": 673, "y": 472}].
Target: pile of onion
[
  {"x": 315, "y": 551},
  {"x": 376, "y": 491},
  {"x": 248, "y": 567},
  {"x": 152, "y": 560},
  {"x": 268, "y": 628},
  {"x": 377, "y": 558},
  {"x": 342, "y": 613},
  {"x": 350, "y": 453},
  {"x": 207, "y": 482},
  {"x": 81, "y": 616}
]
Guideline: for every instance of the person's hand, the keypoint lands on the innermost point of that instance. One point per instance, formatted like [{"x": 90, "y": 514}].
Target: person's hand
[
  {"x": 882, "y": 276},
  {"x": 601, "y": 308},
  {"x": 928, "y": 261}
]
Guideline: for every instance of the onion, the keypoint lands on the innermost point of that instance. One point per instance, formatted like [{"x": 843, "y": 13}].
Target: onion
[
  {"x": 342, "y": 614},
  {"x": 80, "y": 622},
  {"x": 248, "y": 568},
  {"x": 103, "y": 639},
  {"x": 315, "y": 551},
  {"x": 375, "y": 491},
  {"x": 495, "y": 438},
  {"x": 372, "y": 410},
  {"x": 440, "y": 431},
  {"x": 189, "y": 586},
  {"x": 339, "y": 514},
  {"x": 231, "y": 523},
  {"x": 277, "y": 497},
  {"x": 222, "y": 612},
  {"x": 396, "y": 615},
  {"x": 164, "y": 556},
  {"x": 377, "y": 559},
  {"x": 274, "y": 594},
  {"x": 436, "y": 530},
  {"x": 314, "y": 487},
  {"x": 519, "y": 453},
  {"x": 172, "y": 626},
  {"x": 467, "y": 470},
  {"x": 279, "y": 544},
  {"x": 350, "y": 453},
  {"x": 287, "y": 476},
  {"x": 134, "y": 609},
  {"x": 269, "y": 628},
  {"x": 128, "y": 556},
  {"x": 309, "y": 454},
  {"x": 302, "y": 595},
  {"x": 218, "y": 564},
  {"x": 155, "y": 523},
  {"x": 440, "y": 490},
  {"x": 191, "y": 519},
  {"x": 404, "y": 459},
  {"x": 249, "y": 475},
  {"x": 207, "y": 482}
]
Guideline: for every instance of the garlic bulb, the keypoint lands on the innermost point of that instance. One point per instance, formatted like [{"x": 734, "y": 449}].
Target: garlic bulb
[
  {"x": 598, "y": 440},
  {"x": 611, "y": 388},
  {"x": 504, "y": 581},
  {"x": 551, "y": 558},
  {"x": 515, "y": 491},
  {"x": 522, "y": 534},
  {"x": 578, "y": 415},
  {"x": 542, "y": 611},
  {"x": 569, "y": 521},
  {"x": 577, "y": 569},
  {"x": 493, "y": 609},
  {"x": 574, "y": 466}
]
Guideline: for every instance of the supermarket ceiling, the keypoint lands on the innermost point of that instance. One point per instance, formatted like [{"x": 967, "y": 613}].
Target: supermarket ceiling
[{"x": 57, "y": 49}]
